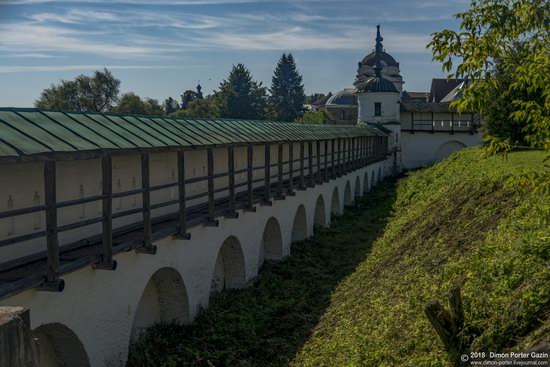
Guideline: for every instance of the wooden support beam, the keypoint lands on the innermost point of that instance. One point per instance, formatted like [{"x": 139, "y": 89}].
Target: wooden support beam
[
  {"x": 333, "y": 160},
  {"x": 107, "y": 262},
  {"x": 326, "y": 162},
  {"x": 318, "y": 149},
  {"x": 267, "y": 178},
  {"x": 302, "y": 178},
  {"x": 250, "y": 176},
  {"x": 291, "y": 168},
  {"x": 340, "y": 147},
  {"x": 147, "y": 247},
  {"x": 280, "y": 190},
  {"x": 52, "y": 283},
  {"x": 211, "y": 220},
  {"x": 311, "y": 176},
  {"x": 231, "y": 182},
  {"x": 182, "y": 202}
]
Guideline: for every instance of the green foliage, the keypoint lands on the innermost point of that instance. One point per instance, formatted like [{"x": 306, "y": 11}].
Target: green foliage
[
  {"x": 502, "y": 50},
  {"x": 170, "y": 105},
  {"x": 319, "y": 117},
  {"x": 354, "y": 294},
  {"x": 200, "y": 108},
  {"x": 287, "y": 91},
  {"x": 240, "y": 96},
  {"x": 130, "y": 103},
  {"x": 97, "y": 93}
]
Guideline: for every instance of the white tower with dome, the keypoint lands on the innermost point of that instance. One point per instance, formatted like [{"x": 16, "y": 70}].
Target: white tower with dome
[{"x": 390, "y": 67}]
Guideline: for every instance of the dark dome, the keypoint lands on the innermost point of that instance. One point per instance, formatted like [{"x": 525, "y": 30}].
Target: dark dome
[
  {"x": 385, "y": 59},
  {"x": 377, "y": 84},
  {"x": 343, "y": 97}
]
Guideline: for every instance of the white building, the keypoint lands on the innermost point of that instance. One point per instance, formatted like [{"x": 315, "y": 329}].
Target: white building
[{"x": 424, "y": 128}]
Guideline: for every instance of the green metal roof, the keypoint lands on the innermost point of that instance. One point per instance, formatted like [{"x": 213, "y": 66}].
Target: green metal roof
[{"x": 27, "y": 133}]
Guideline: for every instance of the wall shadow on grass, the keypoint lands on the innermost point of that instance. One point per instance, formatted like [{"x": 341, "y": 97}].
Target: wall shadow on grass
[{"x": 267, "y": 323}]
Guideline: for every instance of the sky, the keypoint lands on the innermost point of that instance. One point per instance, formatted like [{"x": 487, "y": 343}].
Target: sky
[{"x": 162, "y": 48}]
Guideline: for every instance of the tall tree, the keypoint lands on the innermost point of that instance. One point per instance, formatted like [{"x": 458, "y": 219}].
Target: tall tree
[
  {"x": 84, "y": 93},
  {"x": 502, "y": 46},
  {"x": 170, "y": 105},
  {"x": 240, "y": 96},
  {"x": 287, "y": 91}
]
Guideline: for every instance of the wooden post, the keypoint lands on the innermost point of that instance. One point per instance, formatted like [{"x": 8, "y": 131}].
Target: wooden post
[
  {"x": 353, "y": 154},
  {"x": 311, "y": 176},
  {"x": 280, "y": 176},
  {"x": 267, "y": 178},
  {"x": 107, "y": 262},
  {"x": 250, "y": 177},
  {"x": 326, "y": 162},
  {"x": 211, "y": 221},
  {"x": 302, "y": 178},
  {"x": 318, "y": 147},
  {"x": 449, "y": 325},
  {"x": 333, "y": 154},
  {"x": 339, "y": 157},
  {"x": 452, "y": 123},
  {"x": 231, "y": 182},
  {"x": 350, "y": 156},
  {"x": 53, "y": 283},
  {"x": 412, "y": 122},
  {"x": 433, "y": 123},
  {"x": 291, "y": 169},
  {"x": 182, "y": 207},
  {"x": 148, "y": 247}
]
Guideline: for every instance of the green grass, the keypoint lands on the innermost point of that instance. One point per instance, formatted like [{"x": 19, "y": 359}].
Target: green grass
[{"x": 355, "y": 294}]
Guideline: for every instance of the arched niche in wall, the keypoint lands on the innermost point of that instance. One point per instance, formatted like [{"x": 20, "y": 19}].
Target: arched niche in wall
[
  {"x": 319, "y": 217},
  {"x": 446, "y": 149},
  {"x": 59, "y": 346},
  {"x": 163, "y": 299},
  {"x": 372, "y": 179},
  {"x": 380, "y": 178},
  {"x": 348, "y": 200},
  {"x": 271, "y": 247},
  {"x": 229, "y": 270},
  {"x": 335, "y": 202},
  {"x": 299, "y": 226}
]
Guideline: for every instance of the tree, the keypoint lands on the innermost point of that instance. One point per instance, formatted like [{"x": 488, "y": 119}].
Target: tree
[
  {"x": 240, "y": 96},
  {"x": 97, "y": 93},
  {"x": 130, "y": 103},
  {"x": 200, "y": 108},
  {"x": 502, "y": 51},
  {"x": 188, "y": 96},
  {"x": 287, "y": 91},
  {"x": 314, "y": 97},
  {"x": 318, "y": 117},
  {"x": 170, "y": 105}
]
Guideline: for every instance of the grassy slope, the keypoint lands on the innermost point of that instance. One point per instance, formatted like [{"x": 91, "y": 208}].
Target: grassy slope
[
  {"x": 355, "y": 294},
  {"x": 467, "y": 221}
]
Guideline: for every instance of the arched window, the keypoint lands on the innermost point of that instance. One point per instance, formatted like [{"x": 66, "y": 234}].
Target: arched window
[{"x": 378, "y": 109}]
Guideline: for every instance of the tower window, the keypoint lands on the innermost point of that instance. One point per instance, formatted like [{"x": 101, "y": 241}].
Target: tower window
[
  {"x": 342, "y": 115},
  {"x": 378, "y": 109}
]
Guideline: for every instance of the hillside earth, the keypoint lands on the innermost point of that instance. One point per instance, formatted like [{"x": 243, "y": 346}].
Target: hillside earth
[{"x": 354, "y": 295}]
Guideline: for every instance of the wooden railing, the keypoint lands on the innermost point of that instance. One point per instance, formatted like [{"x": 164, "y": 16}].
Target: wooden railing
[
  {"x": 460, "y": 123},
  {"x": 346, "y": 155}
]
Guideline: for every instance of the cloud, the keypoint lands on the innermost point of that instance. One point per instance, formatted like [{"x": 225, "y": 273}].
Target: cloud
[
  {"x": 28, "y": 37},
  {"x": 299, "y": 38},
  {"x": 46, "y": 68}
]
